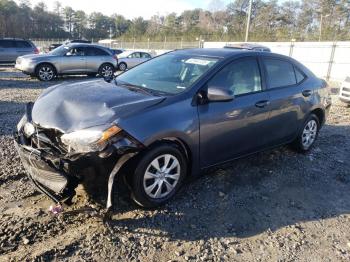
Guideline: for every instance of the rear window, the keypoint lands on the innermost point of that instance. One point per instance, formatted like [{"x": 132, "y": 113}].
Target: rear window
[
  {"x": 23, "y": 44},
  {"x": 92, "y": 51},
  {"x": 7, "y": 44},
  {"x": 280, "y": 73},
  {"x": 299, "y": 75}
]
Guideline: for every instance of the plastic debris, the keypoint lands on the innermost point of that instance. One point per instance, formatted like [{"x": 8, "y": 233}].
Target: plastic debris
[{"x": 56, "y": 209}]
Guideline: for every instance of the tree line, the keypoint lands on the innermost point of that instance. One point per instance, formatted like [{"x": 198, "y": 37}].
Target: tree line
[{"x": 305, "y": 20}]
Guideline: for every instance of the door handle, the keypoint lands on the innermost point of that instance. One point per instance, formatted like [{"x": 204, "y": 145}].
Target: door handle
[
  {"x": 262, "y": 103},
  {"x": 307, "y": 93}
]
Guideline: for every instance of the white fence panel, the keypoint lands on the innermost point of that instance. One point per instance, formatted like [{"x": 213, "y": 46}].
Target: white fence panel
[{"x": 318, "y": 56}]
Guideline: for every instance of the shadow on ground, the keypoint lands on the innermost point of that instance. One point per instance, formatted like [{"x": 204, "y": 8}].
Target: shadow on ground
[{"x": 266, "y": 191}]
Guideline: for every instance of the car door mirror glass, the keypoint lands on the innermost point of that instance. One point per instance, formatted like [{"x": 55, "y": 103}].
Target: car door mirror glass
[{"x": 216, "y": 94}]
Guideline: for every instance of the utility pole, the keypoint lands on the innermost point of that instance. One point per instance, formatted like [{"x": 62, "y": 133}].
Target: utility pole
[
  {"x": 248, "y": 20},
  {"x": 321, "y": 25}
]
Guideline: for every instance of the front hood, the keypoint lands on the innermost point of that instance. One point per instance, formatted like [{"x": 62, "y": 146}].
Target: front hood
[
  {"x": 35, "y": 56},
  {"x": 71, "y": 107}
]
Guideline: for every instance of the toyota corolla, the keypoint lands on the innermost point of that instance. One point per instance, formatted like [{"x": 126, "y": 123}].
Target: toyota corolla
[{"x": 168, "y": 119}]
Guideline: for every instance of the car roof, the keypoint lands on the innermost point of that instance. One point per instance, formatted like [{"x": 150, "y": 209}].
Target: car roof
[
  {"x": 86, "y": 44},
  {"x": 225, "y": 52}
]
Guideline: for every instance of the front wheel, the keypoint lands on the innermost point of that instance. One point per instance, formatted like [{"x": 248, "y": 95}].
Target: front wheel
[
  {"x": 45, "y": 72},
  {"x": 308, "y": 134},
  {"x": 158, "y": 175},
  {"x": 122, "y": 66}
]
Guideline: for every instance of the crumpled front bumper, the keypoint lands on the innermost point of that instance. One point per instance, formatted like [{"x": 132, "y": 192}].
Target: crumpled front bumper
[
  {"x": 53, "y": 182},
  {"x": 58, "y": 174}
]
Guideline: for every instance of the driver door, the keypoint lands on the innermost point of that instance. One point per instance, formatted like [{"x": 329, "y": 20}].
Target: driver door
[
  {"x": 234, "y": 128},
  {"x": 74, "y": 61}
]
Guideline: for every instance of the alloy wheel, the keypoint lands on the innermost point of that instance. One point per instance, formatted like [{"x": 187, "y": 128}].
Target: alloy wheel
[
  {"x": 309, "y": 133},
  {"x": 107, "y": 71},
  {"x": 46, "y": 73},
  {"x": 161, "y": 176}
]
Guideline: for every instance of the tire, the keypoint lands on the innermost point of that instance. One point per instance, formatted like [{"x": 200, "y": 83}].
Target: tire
[
  {"x": 106, "y": 70},
  {"x": 169, "y": 180},
  {"x": 45, "y": 72},
  {"x": 122, "y": 66},
  {"x": 307, "y": 135}
]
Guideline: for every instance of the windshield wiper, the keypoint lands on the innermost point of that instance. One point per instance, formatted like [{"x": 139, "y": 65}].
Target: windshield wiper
[{"x": 136, "y": 88}]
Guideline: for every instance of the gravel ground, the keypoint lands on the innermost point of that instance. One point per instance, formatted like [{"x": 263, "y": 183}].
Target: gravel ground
[{"x": 276, "y": 205}]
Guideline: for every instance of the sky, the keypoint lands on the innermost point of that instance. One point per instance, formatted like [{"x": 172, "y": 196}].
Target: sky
[{"x": 135, "y": 8}]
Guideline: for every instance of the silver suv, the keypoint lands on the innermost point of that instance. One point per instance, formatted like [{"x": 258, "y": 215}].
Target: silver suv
[
  {"x": 69, "y": 60},
  {"x": 11, "y": 48}
]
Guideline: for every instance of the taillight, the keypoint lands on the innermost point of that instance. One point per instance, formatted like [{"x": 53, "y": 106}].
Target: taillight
[{"x": 36, "y": 51}]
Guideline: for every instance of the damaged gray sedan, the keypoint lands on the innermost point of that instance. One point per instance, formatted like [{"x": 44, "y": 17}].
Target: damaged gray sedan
[{"x": 167, "y": 119}]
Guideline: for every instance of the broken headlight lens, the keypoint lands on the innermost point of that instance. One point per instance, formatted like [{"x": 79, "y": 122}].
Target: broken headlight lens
[{"x": 89, "y": 140}]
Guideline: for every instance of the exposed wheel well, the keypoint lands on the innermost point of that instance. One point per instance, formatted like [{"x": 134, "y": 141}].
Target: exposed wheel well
[
  {"x": 320, "y": 115},
  {"x": 184, "y": 148},
  {"x": 107, "y": 63},
  {"x": 45, "y": 63}
]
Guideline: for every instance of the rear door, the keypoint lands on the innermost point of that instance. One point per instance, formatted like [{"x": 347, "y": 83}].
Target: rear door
[
  {"x": 95, "y": 57},
  {"x": 287, "y": 98},
  {"x": 8, "y": 51},
  {"x": 238, "y": 127}
]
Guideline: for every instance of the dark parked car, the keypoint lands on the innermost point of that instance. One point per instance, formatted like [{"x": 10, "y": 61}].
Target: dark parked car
[
  {"x": 249, "y": 46},
  {"x": 11, "y": 48},
  {"x": 168, "y": 119},
  {"x": 80, "y": 41}
]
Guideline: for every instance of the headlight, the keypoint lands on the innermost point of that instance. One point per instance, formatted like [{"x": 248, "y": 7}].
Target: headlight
[{"x": 89, "y": 140}]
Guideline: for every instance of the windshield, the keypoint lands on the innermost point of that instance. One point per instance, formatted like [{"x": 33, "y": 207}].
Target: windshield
[
  {"x": 61, "y": 50},
  {"x": 170, "y": 73}
]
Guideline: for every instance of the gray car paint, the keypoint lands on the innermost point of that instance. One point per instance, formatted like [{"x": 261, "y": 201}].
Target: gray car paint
[
  {"x": 72, "y": 107},
  {"x": 68, "y": 64},
  {"x": 213, "y": 133},
  {"x": 12, "y": 53}
]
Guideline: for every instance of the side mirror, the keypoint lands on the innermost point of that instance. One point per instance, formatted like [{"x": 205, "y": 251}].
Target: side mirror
[{"x": 219, "y": 95}]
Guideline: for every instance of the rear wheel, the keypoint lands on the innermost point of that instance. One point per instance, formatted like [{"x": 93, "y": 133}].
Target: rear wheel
[
  {"x": 158, "y": 175},
  {"x": 45, "y": 72},
  {"x": 308, "y": 134},
  {"x": 106, "y": 70}
]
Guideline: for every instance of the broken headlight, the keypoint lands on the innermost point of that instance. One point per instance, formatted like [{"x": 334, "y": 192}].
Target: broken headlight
[{"x": 89, "y": 140}]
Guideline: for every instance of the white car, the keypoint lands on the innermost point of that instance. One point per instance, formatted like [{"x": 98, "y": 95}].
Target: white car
[
  {"x": 344, "y": 94},
  {"x": 129, "y": 59}
]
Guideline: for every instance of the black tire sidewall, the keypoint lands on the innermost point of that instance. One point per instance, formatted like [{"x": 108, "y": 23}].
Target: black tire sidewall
[{"x": 138, "y": 193}]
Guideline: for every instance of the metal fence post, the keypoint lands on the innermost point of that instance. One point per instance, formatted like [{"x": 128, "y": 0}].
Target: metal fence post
[
  {"x": 331, "y": 61},
  {"x": 291, "y": 49}
]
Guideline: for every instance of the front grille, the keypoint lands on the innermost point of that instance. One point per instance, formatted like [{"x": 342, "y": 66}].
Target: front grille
[
  {"x": 48, "y": 139},
  {"x": 346, "y": 89},
  {"x": 345, "y": 95}
]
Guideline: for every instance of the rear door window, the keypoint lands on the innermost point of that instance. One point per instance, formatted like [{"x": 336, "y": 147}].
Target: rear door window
[
  {"x": 23, "y": 44},
  {"x": 280, "y": 73},
  {"x": 7, "y": 44},
  {"x": 93, "y": 51},
  {"x": 299, "y": 75}
]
